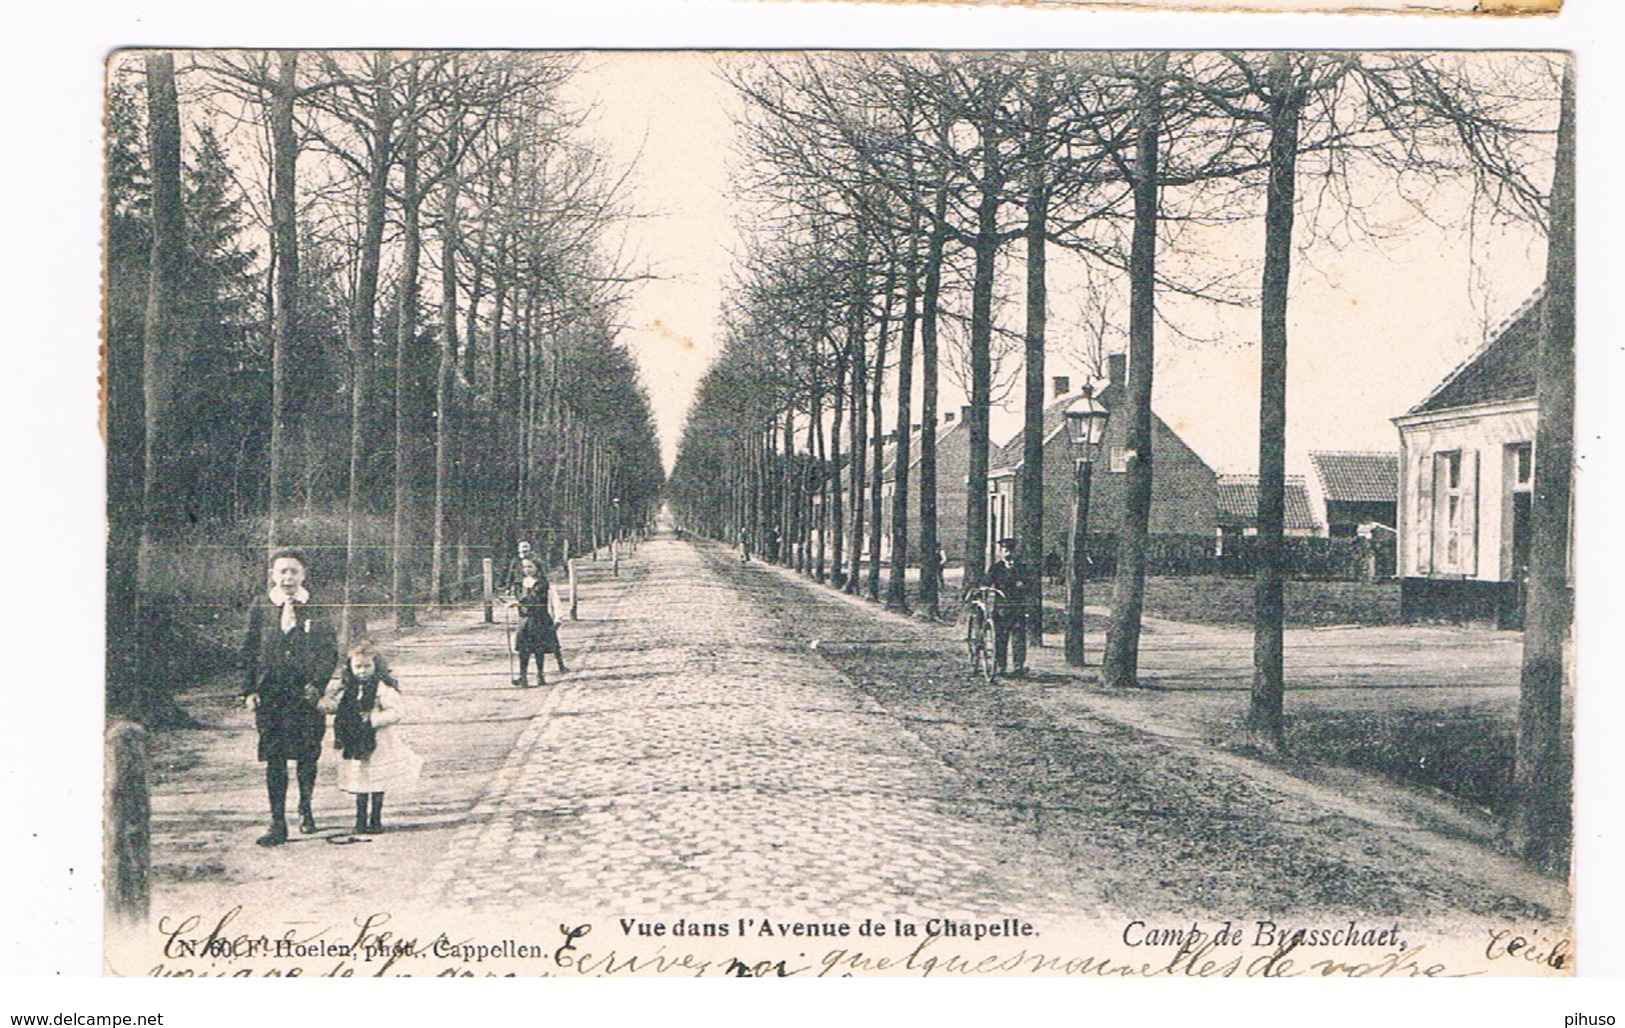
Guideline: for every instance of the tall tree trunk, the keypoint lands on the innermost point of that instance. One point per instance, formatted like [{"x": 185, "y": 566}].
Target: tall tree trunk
[
  {"x": 523, "y": 361},
  {"x": 491, "y": 505},
  {"x": 1265, "y": 714},
  {"x": 848, "y": 575},
  {"x": 163, "y": 363},
  {"x": 476, "y": 293},
  {"x": 1543, "y": 771},
  {"x": 818, "y": 485},
  {"x": 126, "y": 472},
  {"x": 360, "y": 329},
  {"x": 443, "y": 393},
  {"x": 1122, "y": 658},
  {"x": 858, "y": 471},
  {"x": 897, "y": 586},
  {"x": 163, "y": 354},
  {"x": 499, "y": 308},
  {"x": 981, "y": 365},
  {"x": 843, "y": 364},
  {"x": 761, "y": 485},
  {"x": 876, "y": 395},
  {"x": 1031, "y": 512},
  {"x": 405, "y": 340},
  {"x": 285, "y": 243},
  {"x": 786, "y": 490},
  {"x": 930, "y": 562}
]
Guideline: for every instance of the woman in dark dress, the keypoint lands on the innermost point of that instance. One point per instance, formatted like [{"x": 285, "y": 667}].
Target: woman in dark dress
[
  {"x": 289, "y": 653},
  {"x": 538, "y": 632}
]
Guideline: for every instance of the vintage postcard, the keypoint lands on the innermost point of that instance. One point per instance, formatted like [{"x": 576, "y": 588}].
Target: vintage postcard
[{"x": 934, "y": 514}]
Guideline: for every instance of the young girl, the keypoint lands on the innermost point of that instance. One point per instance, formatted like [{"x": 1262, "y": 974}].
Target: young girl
[
  {"x": 366, "y": 706},
  {"x": 538, "y": 631}
]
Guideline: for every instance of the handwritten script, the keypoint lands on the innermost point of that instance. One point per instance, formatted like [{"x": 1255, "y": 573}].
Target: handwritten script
[{"x": 375, "y": 945}]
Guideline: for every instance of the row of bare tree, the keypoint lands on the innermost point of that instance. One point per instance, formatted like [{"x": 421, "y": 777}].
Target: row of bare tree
[
  {"x": 889, "y": 192},
  {"x": 424, "y": 364}
]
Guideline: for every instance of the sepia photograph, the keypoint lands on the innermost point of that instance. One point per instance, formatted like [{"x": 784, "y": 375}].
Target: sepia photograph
[{"x": 927, "y": 513}]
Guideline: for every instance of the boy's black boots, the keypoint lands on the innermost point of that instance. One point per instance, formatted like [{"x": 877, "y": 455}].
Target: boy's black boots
[{"x": 278, "y": 833}]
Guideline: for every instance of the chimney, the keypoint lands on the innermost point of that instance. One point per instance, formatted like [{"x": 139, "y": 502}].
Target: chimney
[
  {"x": 1116, "y": 368},
  {"x": 947, "y": 417},
  {"x": 964, "y": 413},
  {"x": 1063, "y": 385},
  {"x": 914, "y": 427}
]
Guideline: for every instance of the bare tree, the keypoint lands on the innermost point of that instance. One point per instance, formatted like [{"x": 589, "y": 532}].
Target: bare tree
[
  {"x": 1121, "y": 664},
  {"x": 163, "y": 357},
  {"x": 364, "y": 103},
  {"x": 285, "y": 244}
]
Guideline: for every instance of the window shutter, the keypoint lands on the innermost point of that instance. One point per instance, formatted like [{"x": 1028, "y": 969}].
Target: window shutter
[
  {"x": 1469, "y": 513},
  {"x": 1509, "y": 484},
  {"x": 1425, "y": 515}
]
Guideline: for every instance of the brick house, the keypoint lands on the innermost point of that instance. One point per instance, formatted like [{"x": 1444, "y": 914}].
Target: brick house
[
  {"x": 1355, "y": 490},
  {"x": 1184, "y": 495},
  {"x": 953, "y": 469},
  {"x": 1466, "y": 485}
]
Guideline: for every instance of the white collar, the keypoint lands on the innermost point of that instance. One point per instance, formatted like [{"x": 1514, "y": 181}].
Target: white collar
[{"x": 276, "y": 596}]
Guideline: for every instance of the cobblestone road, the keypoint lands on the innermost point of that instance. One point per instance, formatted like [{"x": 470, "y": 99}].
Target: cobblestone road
[{"x": 697, "y": 759}]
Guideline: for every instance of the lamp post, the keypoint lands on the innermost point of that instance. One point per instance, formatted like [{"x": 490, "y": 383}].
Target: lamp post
[{"x": 1085, "y": 427}]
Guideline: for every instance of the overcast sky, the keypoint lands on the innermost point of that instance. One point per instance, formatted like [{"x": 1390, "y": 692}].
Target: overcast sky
[{"x": 1375, "y": 324}]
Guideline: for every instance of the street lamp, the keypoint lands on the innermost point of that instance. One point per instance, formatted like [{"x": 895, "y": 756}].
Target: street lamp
[{"x": 1085, "y": 427}]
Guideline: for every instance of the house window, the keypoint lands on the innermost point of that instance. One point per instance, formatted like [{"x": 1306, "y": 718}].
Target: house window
[
  {"x": 1517, "y": 510},
  {"x": 1119, "y": 459},
  {"x": 1523, "y": 463},
  {"x": 1451, "y": 474}
]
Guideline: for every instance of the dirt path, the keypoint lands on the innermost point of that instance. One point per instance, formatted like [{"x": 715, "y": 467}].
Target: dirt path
[{"x": 1127, "y": 787}]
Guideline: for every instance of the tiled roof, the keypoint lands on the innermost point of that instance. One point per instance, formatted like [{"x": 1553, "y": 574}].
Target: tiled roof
[
  {"x": 1502, "y": 369},
  {"x": 1238, "y": 502},
  {"x": 888, "y": 463},
  {"x": 1347, "y": 477},
  {"x": 1010, "y": 456}
]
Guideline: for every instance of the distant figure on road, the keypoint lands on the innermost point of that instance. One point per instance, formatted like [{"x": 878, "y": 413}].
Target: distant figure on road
[
  {"x": 510, "y": 581},
  {"x": 1052, "y": 567},
  {"x": 289, "y": 654},
  {"x": 366, "y": 704},
  {"x": 538, "y": 631},
  {"x": 1015, "y": 580}
]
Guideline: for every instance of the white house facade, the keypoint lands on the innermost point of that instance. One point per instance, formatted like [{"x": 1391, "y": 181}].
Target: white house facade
[{"x": 1466, "y": 471}]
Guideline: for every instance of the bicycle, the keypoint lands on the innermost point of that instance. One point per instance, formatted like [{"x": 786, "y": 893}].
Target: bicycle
[{"x": 981, "y": 604}]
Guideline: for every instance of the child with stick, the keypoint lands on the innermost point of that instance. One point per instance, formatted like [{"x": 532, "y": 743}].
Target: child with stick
[{"x": 538, "y": 631}]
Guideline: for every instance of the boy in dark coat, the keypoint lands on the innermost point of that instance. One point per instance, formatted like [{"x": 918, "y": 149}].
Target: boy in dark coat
[{"x": 289, "y": 653}]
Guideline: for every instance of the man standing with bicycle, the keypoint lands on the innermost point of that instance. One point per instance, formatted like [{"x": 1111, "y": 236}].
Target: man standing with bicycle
[{"x": 1014, "y": 578}]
